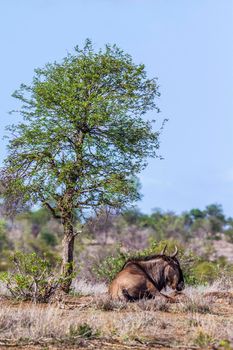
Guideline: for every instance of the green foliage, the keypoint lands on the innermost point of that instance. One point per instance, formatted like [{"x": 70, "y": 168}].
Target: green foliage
[
  {"x": 216, "y": 211},
  {"x": 229, "y": 234},
  {"x": 205, "y": 271},
  {"x": 224, "y": 345},
  {"x": 197, "y": 214},
  {"x": 83, "y": 139},
  {"x": 110, "y": 266},
  {"x": 5, "y": 245},
  {"x": 3, "y": 238},
  {"x": 200, "y": 272},
  {"x": 133, "y": 216},
  {"x": 41, "y": 248},
  {"x": 164, "y": 224},
  {"x": 229, "y": 229},
  {"x": 185, "y": 226},
  {"x": 38, "y": 217},
  {"x": 32, "y": 278},
  {"x": 188, "y": 261},
  {"x": 213, "y": 214},
  {"x": 49, "y": 238}
]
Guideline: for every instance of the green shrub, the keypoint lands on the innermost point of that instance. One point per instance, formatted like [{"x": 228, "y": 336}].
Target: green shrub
[
  {"x": 111, "y": 265},
  {"x": 205, "y": 272},
  {"x": 32, "y": 278},
  {"x": 49, "y": 238},
  {"x": 188, "y": 260},
  {"x": 202, "y": 272},
  {"x": 4, "y": 243},
  {"x": 229, "y": 234},
  {"x": 42, "y": 249}
]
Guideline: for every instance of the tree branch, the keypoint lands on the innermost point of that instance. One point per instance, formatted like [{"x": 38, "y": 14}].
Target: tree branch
[{"x": 53, "y": 211}]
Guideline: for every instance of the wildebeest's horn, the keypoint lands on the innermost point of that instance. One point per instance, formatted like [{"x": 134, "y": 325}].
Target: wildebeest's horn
[
  {"x": 164, "y": 249},
  {"x": 175, "y": 253}
]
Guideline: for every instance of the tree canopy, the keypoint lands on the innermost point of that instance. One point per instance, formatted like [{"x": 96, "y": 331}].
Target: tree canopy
[{"x": 83, "y": 138}]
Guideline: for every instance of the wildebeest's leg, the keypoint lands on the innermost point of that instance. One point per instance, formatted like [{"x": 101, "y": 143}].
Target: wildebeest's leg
[
  {"x": 127, "y": 296},
  {"x": 153, "y": 292}
]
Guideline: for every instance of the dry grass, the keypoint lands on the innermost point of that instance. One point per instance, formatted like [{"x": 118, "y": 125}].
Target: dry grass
[
  {"x": 210, "y": 330},
  {"x": 154, "y": 305},
  {"x": 33, "y": 322},
  {"x": 105, "y": 303},
  {"x": 83, "y": 287},
  {"x": 195, "y": 321},
  {"x": 196, "y": 303},
  {"x": 223, "y": 284},
  {"x": 3, "y": 290}
]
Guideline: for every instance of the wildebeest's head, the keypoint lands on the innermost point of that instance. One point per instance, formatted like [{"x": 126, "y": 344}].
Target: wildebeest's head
[{"x": 172, "y": 271}]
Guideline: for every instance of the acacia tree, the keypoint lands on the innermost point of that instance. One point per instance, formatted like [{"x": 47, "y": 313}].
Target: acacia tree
[{"x": 82, "y": 139}]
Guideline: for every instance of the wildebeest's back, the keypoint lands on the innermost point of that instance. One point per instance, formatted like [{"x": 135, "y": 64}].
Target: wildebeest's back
[{"x": 130, "y": 283}]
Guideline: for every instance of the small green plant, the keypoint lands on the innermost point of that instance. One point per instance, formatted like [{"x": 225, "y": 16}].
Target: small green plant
[
  {"x": 32, "y": 278},
  {"x": 224, "y": 345},
  {"x": 203, "y": 339},
  {"x": 83, "y": 330}
]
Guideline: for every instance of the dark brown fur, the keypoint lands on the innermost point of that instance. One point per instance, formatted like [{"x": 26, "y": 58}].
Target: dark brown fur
[{"x": 146, "y": 277}]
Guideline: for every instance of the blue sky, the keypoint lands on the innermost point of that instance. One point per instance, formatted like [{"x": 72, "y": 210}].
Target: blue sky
[{"x": 187, "y": 44}]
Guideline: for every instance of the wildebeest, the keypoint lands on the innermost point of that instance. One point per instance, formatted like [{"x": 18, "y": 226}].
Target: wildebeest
[{"x": 146, "y": 277}]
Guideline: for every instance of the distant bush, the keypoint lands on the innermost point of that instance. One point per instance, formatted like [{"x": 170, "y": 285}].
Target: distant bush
[
  {"x": 32, "y": 278},
  {"x": 49, "y": 238},
  {"x": 205, "y": 272},
  {"x": 229, "y": 234},
  {"x": 188, "y": 260},
  {"x": 42, "y": 249},
  {"x": 4, "y": 243}
]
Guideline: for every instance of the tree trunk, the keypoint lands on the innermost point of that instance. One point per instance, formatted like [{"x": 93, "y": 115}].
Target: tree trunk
[{"x": 67, "y": 254}]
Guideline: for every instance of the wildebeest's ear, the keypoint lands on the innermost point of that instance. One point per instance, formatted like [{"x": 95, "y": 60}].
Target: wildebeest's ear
[
  {"x": 175, "y": 253},
  {"x": 164, "y": 249}
]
